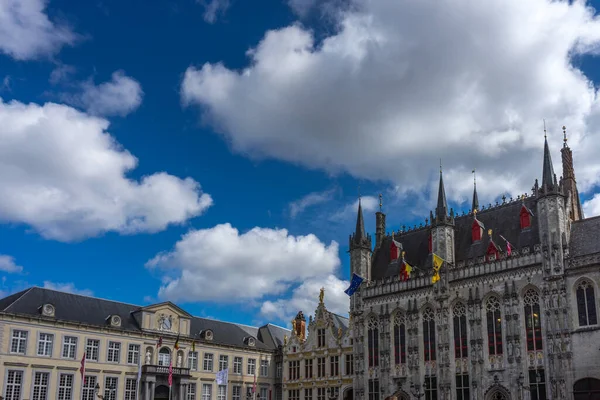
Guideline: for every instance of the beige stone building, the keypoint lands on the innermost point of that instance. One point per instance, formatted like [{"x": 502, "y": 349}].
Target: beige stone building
[
  {"x": 319, "y": 365},
  {"x": 44, "y": 335}
]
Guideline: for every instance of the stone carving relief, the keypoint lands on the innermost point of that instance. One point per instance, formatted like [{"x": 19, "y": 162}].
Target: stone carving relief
[{"x": 165, "y": 322}]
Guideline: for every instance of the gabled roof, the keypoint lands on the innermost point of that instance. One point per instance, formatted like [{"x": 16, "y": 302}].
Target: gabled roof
[
  {"x": 93, "y": 311},
  {"x": 584, "y": 237},
  {"x": 180, "y": 310}
]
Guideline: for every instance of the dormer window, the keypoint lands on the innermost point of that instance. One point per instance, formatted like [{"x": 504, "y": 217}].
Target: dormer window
[
  {"x": 476, "y": 230},
  {"x": 492, "y": 253},
  {"x": 114, "y": 320},
  {"x": 250, "y": 341},
  {"x": 525, "y": 217},
  {"x": 47, "y": 310},
  {"x": 206, "y": 334}
]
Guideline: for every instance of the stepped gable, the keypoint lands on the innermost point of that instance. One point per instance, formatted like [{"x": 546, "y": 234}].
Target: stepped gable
[{"x": 503, "y": 219}]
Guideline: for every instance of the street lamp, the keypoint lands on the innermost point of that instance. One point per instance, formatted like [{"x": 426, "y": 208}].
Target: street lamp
[
  {"x": 416, "y": 390},
  {"x": 111, "y": 390}
]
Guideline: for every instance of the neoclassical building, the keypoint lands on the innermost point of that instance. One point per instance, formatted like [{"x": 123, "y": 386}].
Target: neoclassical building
[
  {"x": 319, "y": 365},
  {"x": 44, "y": 335},
  {"x": 514, "y": 314}
]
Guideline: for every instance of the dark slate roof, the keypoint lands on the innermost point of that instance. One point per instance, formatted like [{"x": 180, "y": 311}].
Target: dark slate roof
[
  {"x": 94, "y": 311},
  {"x": 584, "y": 237},
  {"x": 503, "y": 220},
  {"x": 340, "y": 322}
]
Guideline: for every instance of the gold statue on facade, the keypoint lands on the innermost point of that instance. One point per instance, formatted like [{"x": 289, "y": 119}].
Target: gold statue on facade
[{"x": 321, "y": 295}]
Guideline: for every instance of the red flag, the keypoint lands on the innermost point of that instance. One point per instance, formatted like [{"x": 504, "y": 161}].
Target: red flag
[
  {"x": 170, "y": 374},
  {"x": 395, "y": 249},
  {"x": 159, "y": 343},
  {"x": 82, "y": 369},
  {"x": 508, "y": 246},
  {"x": 254, "y": 386}
]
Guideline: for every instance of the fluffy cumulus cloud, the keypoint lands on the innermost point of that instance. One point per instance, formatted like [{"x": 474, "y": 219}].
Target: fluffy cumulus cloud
[
  {"x": 8, "y": 264},
  {"x": 64, "y": 175},
  {"x": 592, "y": 206},
  {"x": 27, "y": 33},
  {"x": 387, "y": 95},
  {"x": 67, "y": 287},
  {"x": 241, "y": 267}
]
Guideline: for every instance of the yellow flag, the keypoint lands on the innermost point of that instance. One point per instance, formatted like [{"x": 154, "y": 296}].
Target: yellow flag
[
  {"x": 437, "y": 262},
  {"x": 435, "y": 277}
]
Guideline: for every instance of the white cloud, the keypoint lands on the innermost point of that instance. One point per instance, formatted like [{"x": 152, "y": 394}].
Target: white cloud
[
  {"x": 27, "y": 33},
  {"x": 302, "y": 7},
  {"x": 310, "y": 200},
  {"x": 369, "y": 204},
  {"x": 8, "y": 264},
  {"x": 67, "y": 287},
  {"x": 64, "y": 175},
  {"x": 305, "y": 298},
  {"x": 214, "y": 8},
  {"x": 119, "y": 96},
  {"x": 591, "y": 208},
  {"x": 387, "y": 95},
  {"x": 61, "y": 73},
  {"x": 6, "y": 84},
  {"x": 221, "y": 265}
]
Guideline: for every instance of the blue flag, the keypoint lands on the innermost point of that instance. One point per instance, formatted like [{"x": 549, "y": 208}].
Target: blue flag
[{"x": 354, "y": 284}]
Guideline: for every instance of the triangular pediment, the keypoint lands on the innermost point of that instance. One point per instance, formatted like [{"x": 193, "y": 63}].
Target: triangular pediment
[{"x": 167, "y": 307}]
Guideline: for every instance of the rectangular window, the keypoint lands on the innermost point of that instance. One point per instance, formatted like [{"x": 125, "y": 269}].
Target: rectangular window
[
  {"x": 223, "y": 362},
  {"x": 278, "y": 369},
  {"x": 92, "y": 349},
  {"x": 206, "y": 391},
  {"x": 130, "y": 388},
  {"x": 45, "y": 344},
  {"x": 373, "y": 389},
  {"x": 321, "y": 393},
  {"x": 462, "y": 387},
  {"x": 279, "y": 394},
  {"x": 294, "y": 394},
  {"x": 236, "y": 392},
  {"x": 193, "y": 360},
  {"x": 460, "y": 336},
  {"x": 308, "y": 368},
  {"x": 18, "y": 344},
  {"x": 264, "y": 393},
  {"x": 14, "y": 385},
  {"x": 40, "y": 386},
  {"x": 334, "y": 365},
  {"x": 431, "y": 388},
  {"x": 320, "y": 367},
  {"x": 207, "y": 366},
  {"x": 110, "y": 387},
  {"x": 237, "y": 365},
  {"x": 221, "y": 392},
  {"x": 308, "y": 394},
  {"x": 400, "y": 343},
  {"x": 537, "y": 384},
  {"x": 114, "y": 352},
  {"x": 349, "y": 364},
  {"x": 264, "y": 367},
  {"x": 320, "y": 337},
  {"x": 251, "y": 366},
  {"x": 69, "y": 349},
  {"x": 133, "y": 354},
  {"x": 65, "y": 387},
  {"x": 373, "y": 345},
  {"x": 191, "y": 392},
  {"x": 88, "y": 388},
  {"x": 294, "y": 370}
]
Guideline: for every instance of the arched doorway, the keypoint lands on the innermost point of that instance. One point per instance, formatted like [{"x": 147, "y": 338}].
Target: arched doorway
[
  {"x": 348, "y": 394},
  {"x": 497, "y": 392},
  {"x": 161, "y": 392},
  {"x": 587, "y": 389}
]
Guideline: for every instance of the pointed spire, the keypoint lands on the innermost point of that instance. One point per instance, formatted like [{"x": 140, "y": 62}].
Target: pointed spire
[
  {"x": 441, "y": 210},
  {"x": 475, "y": 204},
  {"x": 548, "y": 171},
  {"x": 359, "y": 233}
]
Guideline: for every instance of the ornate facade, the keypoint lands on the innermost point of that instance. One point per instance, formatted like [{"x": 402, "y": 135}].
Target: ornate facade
[
  {"x": 319, "y": 365},
  {"x": 44, "y": 335},
  {"x": 514, "y": 315}
]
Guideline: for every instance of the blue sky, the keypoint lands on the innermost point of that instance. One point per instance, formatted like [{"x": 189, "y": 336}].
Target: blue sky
[{"x": 211, "y": 153}]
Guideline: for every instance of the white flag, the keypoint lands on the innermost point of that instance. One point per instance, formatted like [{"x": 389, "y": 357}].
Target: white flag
[{"x": 222, "y": 377}]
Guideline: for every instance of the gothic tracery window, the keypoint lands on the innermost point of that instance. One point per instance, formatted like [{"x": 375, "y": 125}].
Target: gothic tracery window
[
  {"x": 533, "y": 320},
  {"x": 428, "y": 335},
  {"x": 400, "y": 338},
  {"x": 373, "y": 341},
  {"x": 460, "y": 331},
  {"x": 586, "y": 304},
  {"x": 494, "y": 325}
]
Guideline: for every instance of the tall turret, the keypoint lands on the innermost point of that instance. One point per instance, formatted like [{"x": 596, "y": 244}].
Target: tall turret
[
  {"x": 569, "y": 182},
  {"x": 360, "y": 247},
  {"x": 442, "y": 227},
  {"x": 379, "y": 224}
]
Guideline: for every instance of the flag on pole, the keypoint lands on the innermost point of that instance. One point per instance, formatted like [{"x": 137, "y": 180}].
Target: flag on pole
[
  {"x": 139, "y": 375},
  {"x": 508, "y": 246},
  {"x": 82, "y": 369},
  {"x": 194, "y": 345},
  {"x": 395, "y": 249},
  {"x": 170, "y": 374},
  {"x": 176, "y": 345},
  {"x": 223, "y": 376},
  {"x": 159, "y": 342},
  {"x": 254, "y": 385},
  {"x": 405, "y": 269},
  {"x": 354, "y": 284},
  {"x": 437, "y": 264}
]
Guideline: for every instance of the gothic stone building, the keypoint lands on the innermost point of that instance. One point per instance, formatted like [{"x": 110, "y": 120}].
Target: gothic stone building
[
  {"x": 497, "y": 326},
  {"x": 319, "y": 366}
]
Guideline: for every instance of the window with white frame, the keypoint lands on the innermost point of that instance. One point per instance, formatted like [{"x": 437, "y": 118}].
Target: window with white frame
[
  {"x": 278, "y": 369},
  {"x": 264, "y": 393},
  {"x": 264, "y": 367},
  {"x": 45, "y": 344},
  {"x": 92, "y": 349},
  {"x": 114, "y": 352},
  {"x": 374, "y": 389},
  {"x": 65, "y": 387},
  {"x": 251, "y": 366},
  {"x": 586, "y": 304},
  {"x": 223, "y": 362},
  {"x": 69, "y": 349},
  {"x": 89, "y": 387},
  {"x": 133, "y": 354},
  {"x": 349, "y": 364},
  {"x": 110, "y": 387},
  {"x": 294, "y": 394},
  {"x": 334, "y": 365},
  {"x": 237, "y": 365},
  {"x": 321, "y": 393},
  {"x": 208, "y": 365},
  {"x": 130, "y": 388},
  {"x": 308, "y": 394},
  {"x": 193, "y": 361},
  {"x": 206, "y": 391},
  {"x": 164, "y": 357},
  {"x": 18, "y": 344},
  {"x": 40, "y": 385},
  {"x": 14, "y": 385},
  {"x": 236, "y": 393},
  {"x": 321, "y": 337},
  {"x": 249, "y": 392},
  {"x": 221, "y": 392},
  {"x": 191, "y": 392}
]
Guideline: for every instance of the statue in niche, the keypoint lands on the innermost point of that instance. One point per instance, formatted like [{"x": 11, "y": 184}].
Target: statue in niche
[
  {"x": 179, "y": 360},
  {"x": 148, "y": 356},
  {"x": 340, "y": 333}
]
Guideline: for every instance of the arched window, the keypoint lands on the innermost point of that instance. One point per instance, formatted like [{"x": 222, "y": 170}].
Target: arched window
[
  {"x": 460, "y": 331},
  {"x": 164, "y": 356},
  {"x": 494, "y": 326},
  {"x": 373, "y": 341},
  {"x": 399, "y": 338},
  {"x": 428, "y": 335},
  {"x": 586, "y": 304},
  {"x": 533, "y": 320}
]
